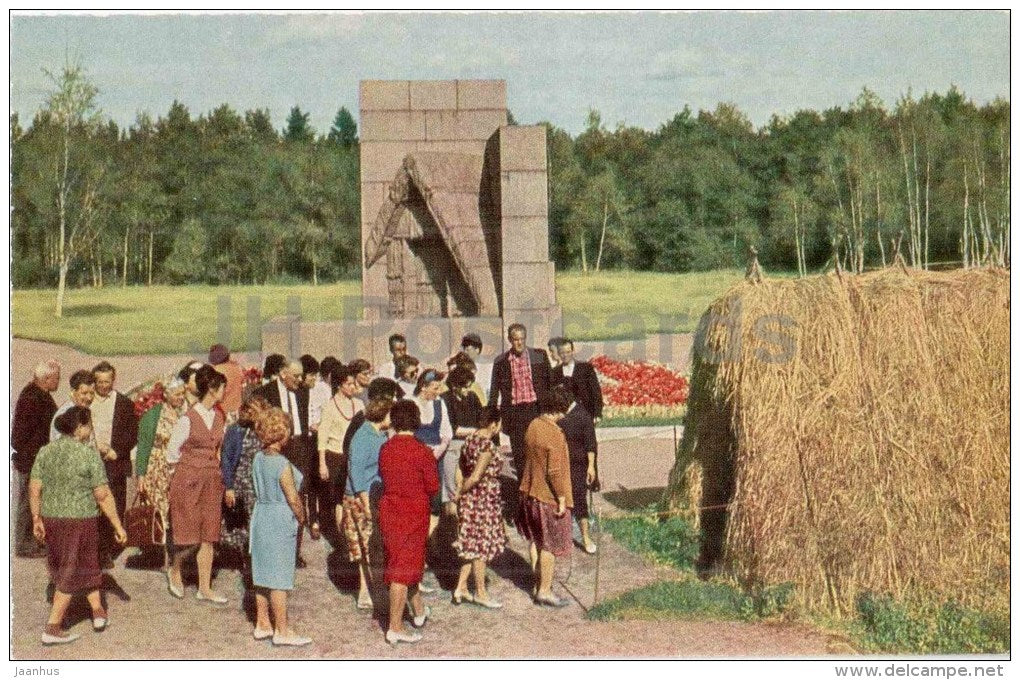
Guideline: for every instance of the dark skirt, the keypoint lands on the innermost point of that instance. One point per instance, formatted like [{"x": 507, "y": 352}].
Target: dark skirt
[
  {"x": 579, "y": 486},
  {"x": 73, "y": 554},
  {"x": 537, "y": 522}
]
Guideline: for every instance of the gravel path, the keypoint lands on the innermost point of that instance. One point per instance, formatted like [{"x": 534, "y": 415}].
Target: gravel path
[{"x": 322, "y": 606}]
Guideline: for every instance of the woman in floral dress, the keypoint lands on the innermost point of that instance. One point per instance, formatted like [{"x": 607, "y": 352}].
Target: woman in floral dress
[
  {"x": 480, "y": 534},
  {"x": 240, "y": 444},
  {"x": 151, "y": 467}
]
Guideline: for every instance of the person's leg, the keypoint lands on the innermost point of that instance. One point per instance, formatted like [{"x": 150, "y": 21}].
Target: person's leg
[
  {"x": 364, "y": 593},
  {"x": 462, "y": 581},
  {"x": 398, "y": 600},
  {"x": 24, "y": 541},
  {"x": 179, "y": 555},
  {"x": 96, "y": 604},
  {"x": 417, "y": 603},
  {"x": 61, "y": 601},
  {"x": 546, "y": 564},
  {"x": 262, "y": 621},
  {"x": 478, "y": 569},
  {"x": 278, "y": 601},
  {"x": 205, "y": 562},
  {"x": 533, "y": 558},
  {"x": 585, "y": 532}
]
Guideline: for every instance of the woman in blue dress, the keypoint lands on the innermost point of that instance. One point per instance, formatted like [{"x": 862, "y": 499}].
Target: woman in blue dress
[{"x": 275, "y": 523}]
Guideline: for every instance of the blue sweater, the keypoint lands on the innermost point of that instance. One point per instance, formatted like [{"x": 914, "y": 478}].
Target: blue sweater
[{"x": 363, "y": 463}]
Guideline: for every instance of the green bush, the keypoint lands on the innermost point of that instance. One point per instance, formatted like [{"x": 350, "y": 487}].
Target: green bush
[{"x": 889, "y": 625}]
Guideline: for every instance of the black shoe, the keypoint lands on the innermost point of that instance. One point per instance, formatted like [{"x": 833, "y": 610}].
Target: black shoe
[
  {"x": 51, "y": 590},
  {"x": 300, "y": 562},
  {"x": 107, "y": 564}
]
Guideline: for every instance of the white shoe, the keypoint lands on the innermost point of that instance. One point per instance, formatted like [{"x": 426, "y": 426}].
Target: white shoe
[
  {"x": 419, "y": 621},
  {"x": 215, "y": 598},
  {"x": 591, "y": 549},
  {"x": 393, "y": 638},
  {"x": 50, "y": 639},
  {"x": 260, "y": 634},
  {"x": 290, "y": 640}
]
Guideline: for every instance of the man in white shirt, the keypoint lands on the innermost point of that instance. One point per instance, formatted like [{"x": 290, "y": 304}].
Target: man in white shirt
[
  {"x": 398, "y": 348},
  {"x": 115, "y": 427},
  {"x": 83, "y": 391}
]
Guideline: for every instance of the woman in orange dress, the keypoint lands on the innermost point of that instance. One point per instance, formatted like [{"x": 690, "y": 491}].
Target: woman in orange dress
[{"x": 410, "y": 478}]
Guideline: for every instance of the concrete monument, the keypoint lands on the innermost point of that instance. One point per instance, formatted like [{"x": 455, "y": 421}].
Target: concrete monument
[{"x": 454, "y": 227}]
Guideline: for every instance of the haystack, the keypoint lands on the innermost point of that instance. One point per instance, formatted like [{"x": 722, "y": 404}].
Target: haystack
[{"x": 852, "y": 434}]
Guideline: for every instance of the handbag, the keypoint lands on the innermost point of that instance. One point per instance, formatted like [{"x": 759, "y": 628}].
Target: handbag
[{"x": 143, "y": 523}]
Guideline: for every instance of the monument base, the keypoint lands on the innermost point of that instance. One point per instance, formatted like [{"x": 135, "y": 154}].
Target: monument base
[{"x": 431, "y": 340}]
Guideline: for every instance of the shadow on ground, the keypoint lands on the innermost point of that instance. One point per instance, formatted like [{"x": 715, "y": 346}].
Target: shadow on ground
[
  {"x": 78, "y": 311},
  {"x": 634, "y": 499}
]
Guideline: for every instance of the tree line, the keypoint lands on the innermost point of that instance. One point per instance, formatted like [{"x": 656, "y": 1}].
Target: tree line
[{"x": 223, "y": 197}]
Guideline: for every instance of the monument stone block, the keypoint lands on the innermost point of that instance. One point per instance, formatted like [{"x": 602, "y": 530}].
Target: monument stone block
[
  {"x": 522, "y": 147},
  {"x": 525, "y": 194},
  {"x": 433, "y": 94},
  {"x": 379, "y": 126},
  {"x": 481, "y": 94},
  {"x": 384, "y": 95},
  {"x": 455, "y": 125}
]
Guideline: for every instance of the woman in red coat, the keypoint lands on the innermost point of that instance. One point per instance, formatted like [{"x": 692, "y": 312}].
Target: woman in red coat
[{"x": 410, "y": 478}]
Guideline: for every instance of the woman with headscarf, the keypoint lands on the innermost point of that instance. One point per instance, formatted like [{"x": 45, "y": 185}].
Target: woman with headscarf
[
  {"x": 67, "y": 489},
  {"x": 151, "y": 467}
]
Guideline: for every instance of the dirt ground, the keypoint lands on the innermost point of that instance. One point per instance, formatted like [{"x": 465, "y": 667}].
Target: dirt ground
[{"x": 147, "y": 623}]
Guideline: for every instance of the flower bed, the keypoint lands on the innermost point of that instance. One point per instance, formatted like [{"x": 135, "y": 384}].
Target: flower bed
[
  {"x": 150, "y": 393},
  {"x": 640, "y": 390}
]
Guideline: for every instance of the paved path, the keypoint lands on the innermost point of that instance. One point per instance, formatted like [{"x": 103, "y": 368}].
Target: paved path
[{"x": 152, "y": 625}]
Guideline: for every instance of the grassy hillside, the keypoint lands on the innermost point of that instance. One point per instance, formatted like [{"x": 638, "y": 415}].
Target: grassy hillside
[{"x": 185, "y": 319}]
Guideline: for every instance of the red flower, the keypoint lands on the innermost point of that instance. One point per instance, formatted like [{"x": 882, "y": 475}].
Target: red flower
[{"x": 640, "y": 383}]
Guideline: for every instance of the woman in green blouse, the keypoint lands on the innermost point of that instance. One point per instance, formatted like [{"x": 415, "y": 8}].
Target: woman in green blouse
[{"x": 67, "y": 484}]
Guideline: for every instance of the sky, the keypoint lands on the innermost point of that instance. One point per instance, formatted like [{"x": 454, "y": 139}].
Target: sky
[{"x": 635, "y": 68}]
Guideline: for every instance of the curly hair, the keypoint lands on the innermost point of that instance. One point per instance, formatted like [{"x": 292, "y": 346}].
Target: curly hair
[
  {"x": 272, "y": 426},
  {"x": 250, "y": 411}
]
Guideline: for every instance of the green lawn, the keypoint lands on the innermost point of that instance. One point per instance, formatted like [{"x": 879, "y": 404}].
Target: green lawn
[{"x": 184, "y": 319}]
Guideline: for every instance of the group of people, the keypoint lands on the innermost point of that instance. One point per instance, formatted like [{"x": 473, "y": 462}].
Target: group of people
[{"x": 369, "y": 458}]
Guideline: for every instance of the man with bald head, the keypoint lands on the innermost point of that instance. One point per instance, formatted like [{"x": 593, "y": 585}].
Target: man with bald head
[{"x": 30, "y": 431}]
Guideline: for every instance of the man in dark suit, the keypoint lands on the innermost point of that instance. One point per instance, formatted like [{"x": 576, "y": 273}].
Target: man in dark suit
[
  {"x": 116, "y": 428},
  {"x": 580, "y": 377},
  {"x": 520, "y": 377},
  {"x": 286, "y": 392},
  {"x": 30, "y": 431}
]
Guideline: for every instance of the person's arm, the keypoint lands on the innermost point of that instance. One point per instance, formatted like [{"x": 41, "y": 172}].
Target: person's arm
[
  {"x": 558, "y": 470},
  {"x": 125, "y": 431},
  {"x": 445, "y": 428},
  {"x": 591, "y": 447},
  {"x": 494, "y": 383},
  {"x": 596, "y": 392},
  {"x": 108, "y": 506},
  {"x": 179, "y": 435},
  {"x": 327, "y": 424},
  {"x": 430, "y": 477},
  {"x": 146, "y": 438},
  {"x": 357, "y": 471},
  {"x": 21, "y": 433},
  {"x": 484, "y": 458},
  {"x": 290, "y": 492}
]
